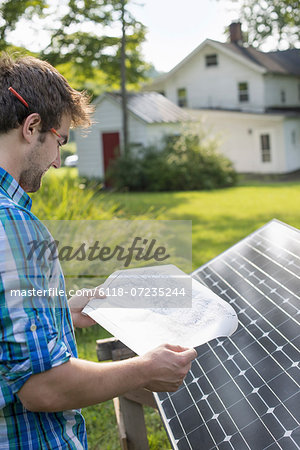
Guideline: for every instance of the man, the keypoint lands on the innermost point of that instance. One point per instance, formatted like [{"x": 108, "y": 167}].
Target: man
[{"x": 43, "y": 383}]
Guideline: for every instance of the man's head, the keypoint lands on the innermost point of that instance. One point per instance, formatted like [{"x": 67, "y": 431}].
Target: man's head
[
  {"x": 28, "y": 145},
  {"x": 45, "y": 90}
]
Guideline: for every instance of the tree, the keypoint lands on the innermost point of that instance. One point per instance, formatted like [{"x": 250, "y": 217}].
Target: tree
[
  {"x": 98, "y": 48},
  {"x": 123, "y": 79},
  {"x": 85, "y": 40},
  {"x": 276, "y": 19},
  {"x": 12, "y": 11},
  {"x": 85, "y": 56},
  {"x": 117, "y": 55}
]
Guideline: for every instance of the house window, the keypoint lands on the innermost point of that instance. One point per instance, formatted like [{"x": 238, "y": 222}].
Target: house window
[
  {"x": 282, "y": 96},
  {"x": 162, "y": 93},
  {"x": 243, "y": 92},
  {"x": 299, "y": 92},
  {"x": 265, "y": 147},
  {"x": 211, "y": 60},
  {"x": 181, "y": 97}
]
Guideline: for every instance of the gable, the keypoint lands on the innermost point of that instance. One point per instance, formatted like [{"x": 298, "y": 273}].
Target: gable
[
  {"x": 109, "y": 112},
  {"x": 226, "y": 63},
  {"x": 209, "y": 47}
]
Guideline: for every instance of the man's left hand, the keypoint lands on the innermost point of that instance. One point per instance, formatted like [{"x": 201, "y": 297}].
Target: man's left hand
[{"x": 76, "y": 305}]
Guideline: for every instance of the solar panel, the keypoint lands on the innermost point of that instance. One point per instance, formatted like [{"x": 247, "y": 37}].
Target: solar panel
[{"x": 243, "y": 392}]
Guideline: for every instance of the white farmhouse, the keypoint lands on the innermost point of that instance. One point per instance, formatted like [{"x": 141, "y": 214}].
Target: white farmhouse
[
  {"x": 250, "y": 98},
  {"x": 151, "y": 117}
]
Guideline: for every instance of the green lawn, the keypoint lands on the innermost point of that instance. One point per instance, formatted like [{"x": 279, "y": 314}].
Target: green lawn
[{"x": 220, "y": 219}]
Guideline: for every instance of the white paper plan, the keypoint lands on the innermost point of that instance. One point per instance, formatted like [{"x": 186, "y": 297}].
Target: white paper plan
[{"x": 149, "y": 306}]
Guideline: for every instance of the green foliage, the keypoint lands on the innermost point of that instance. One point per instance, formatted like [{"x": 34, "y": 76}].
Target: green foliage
[
  {"x": 12, "y": 11},
  {"x": 188, "y": 162},
  {"x": 279, "y": 19},
  {"x": 95, "y": 48},
  {"x": 64, "y": 197},
  {"x": 94, "y": 82},
  {"x": 85, "y": 40}
]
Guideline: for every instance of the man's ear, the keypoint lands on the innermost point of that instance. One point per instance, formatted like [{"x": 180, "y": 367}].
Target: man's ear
[{"x": 31, "y": 127}]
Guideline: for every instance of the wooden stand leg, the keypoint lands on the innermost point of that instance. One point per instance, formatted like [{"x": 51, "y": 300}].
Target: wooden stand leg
[
  {"x": 134, "y": 424},
  {"x": 128, "y": 408},
  {"x": 120, "y": 423}
]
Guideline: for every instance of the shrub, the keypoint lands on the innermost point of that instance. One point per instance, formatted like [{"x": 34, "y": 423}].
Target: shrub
[
  {"x": 186, "y": 162},
  {"x": 64, "y": 197},
  {"x": 126, "y": 173}
]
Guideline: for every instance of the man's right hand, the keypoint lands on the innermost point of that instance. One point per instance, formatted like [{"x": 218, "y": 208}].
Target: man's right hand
[{"x": 166, "y": 366}]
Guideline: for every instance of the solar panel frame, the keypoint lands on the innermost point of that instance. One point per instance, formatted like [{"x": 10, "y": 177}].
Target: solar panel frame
[{"x": 243, "y": 391}]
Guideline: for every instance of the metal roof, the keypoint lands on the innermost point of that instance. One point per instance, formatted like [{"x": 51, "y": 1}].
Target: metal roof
[{"x": 153, "y": 107}]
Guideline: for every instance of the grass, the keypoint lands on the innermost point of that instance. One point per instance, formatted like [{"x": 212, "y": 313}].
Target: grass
[{"x": 220, "y": 218}]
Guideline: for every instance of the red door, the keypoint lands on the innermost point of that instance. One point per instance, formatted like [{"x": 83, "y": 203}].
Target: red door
[{"x": 111, "y": 148}]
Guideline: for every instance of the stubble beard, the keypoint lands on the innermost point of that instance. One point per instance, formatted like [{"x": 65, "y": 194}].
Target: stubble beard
[
  {"x": 30, "y": 180},
  {"x": 31, "y": 176}
]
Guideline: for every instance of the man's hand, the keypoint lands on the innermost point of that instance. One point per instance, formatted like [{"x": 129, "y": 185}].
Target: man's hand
[
  {"x": 78, "y": 302},
  {"x": 166, "y": 366}
]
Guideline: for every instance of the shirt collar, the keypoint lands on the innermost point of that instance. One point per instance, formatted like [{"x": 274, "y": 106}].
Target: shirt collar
[{"x": 12, "y": 189}]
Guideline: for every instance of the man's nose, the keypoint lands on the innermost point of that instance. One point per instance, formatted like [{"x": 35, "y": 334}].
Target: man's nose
[{"x": 57, "y": 162}]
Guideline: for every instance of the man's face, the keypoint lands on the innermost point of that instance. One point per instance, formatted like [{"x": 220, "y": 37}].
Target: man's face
[{"x": 44, "y": 154}]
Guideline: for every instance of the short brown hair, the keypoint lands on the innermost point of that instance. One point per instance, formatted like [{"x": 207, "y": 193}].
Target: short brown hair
[{"x": 45, "y": 90}]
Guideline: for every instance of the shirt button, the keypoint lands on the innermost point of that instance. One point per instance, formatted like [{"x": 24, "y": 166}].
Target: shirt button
[{"x": 33, "y": 327}]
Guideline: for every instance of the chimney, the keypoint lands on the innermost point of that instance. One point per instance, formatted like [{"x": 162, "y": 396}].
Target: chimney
[{"x": 235, "y": 29}]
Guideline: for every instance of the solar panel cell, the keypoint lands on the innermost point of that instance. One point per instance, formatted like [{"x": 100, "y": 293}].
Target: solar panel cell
[
  {"x": 218, "y": 376},
  {"x": 267, "y": 369},
  {"x": 231, "y": 367},
  {"x": 200, "y": 437},
  {"x": 289, "y": 329},
  {"x": 205, "y": 410},
  {"x": 287, "y": 444},
  {"x": 176, "y": 427},
  {"x": 237, "y": 441},
  {"x": 254, "y": 352},
  {"x": 272, "y": 423},
  {"x": 215, "y": 403},
  {"x": 168, "y": 408},
  {"x": 258, "y": 404},
  {"x": 285, "y": 417},
  {"x": 208, "y": 362},
  {"x": 219, "y": 429},
  {"x": 230, "y": 393},
  {"x": 190, "y": 418},
  {"x": 257, "y": 433},
  {"x": 183, "y": 398},
  {"x": 227, "y": 423},
  {"x": 283, "y": 386}
]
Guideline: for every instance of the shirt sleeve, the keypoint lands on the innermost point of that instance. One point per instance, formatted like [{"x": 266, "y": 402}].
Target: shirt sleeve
[{"x": 32, "y": 340}]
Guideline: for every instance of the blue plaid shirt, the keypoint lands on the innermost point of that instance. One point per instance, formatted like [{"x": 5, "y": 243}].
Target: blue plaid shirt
[{"x": 35, "y": 325}]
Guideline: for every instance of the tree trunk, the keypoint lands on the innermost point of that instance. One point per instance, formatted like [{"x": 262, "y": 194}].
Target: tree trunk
[{"x": 123, "y": 80}]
